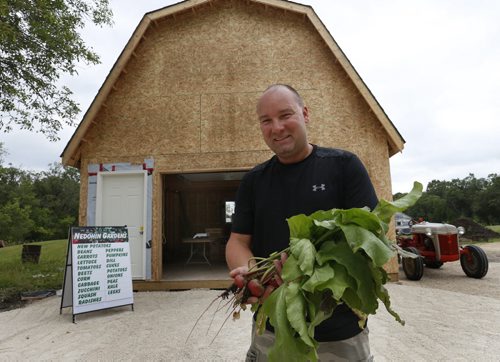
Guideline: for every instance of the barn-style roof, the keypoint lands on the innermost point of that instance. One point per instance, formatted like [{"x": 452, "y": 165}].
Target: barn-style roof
[{"x": 71, "y": 153}]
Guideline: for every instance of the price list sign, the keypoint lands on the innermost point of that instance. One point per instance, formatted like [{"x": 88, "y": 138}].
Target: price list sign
[{"x": 100, "y": 268}]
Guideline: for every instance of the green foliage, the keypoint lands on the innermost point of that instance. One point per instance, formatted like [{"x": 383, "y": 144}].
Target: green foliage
[
  {"x": 57, "y": 191},
  {"x": 37, "y": 206},
  {"x": 445, "y": 201},
  {"x": 15, "y": 222},
  {"x": 335, "y": 256},
  {"x": 39, "y": 41},
  {"x": 495, "y": 228},
  {"x": 384, "y": 210},
  {"x": 17, "y": 277},
  {"x": 3, "y": 153}
]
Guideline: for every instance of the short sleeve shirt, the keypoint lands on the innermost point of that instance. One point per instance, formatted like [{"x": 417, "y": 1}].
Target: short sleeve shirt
[{"x": 272, "y": 192}]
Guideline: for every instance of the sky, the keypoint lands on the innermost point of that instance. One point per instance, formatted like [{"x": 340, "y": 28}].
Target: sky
[{"x": 434, "y": 67}]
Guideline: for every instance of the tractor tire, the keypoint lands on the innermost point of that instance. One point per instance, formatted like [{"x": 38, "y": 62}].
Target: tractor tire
[
  {"x": 475, "y": 263},
  {"x": 413, "y": 267},
  {"x": 434, "y": 264}
]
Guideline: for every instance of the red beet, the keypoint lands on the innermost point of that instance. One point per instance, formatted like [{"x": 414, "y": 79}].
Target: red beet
[
  {"x": 255, "y": 288},
  {"x": 239, "y": 281},
  {"x": 269, "y": 289}
]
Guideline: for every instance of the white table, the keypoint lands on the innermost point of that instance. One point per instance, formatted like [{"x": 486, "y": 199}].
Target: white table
[{"x": 198, "y": 239}]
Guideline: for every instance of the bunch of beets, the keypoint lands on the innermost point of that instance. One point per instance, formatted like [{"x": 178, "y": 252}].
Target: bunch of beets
[
  {"x": 258, "y": 284},
  {"x": 334, "y": 257}
]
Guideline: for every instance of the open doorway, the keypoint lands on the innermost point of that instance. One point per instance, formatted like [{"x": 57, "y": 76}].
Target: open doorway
[{"x": 197, "y": 218}]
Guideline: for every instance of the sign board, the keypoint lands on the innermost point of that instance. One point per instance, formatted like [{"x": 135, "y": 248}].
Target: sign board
[{"x": 98, "y": 272}]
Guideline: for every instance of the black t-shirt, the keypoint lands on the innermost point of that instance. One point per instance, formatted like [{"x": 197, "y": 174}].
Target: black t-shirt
[{"x": 272, "y": 192}]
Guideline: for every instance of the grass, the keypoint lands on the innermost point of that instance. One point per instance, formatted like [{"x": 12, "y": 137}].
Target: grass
[
  {"x": 495, "y": 228},
  {"x": 17, "y": 277}
]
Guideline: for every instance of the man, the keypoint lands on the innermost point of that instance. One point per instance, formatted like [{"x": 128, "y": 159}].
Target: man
[{"x": 300, "y": 178}]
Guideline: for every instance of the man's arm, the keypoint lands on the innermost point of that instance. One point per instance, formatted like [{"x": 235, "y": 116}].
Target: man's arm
[
  {"x": 238, "y": 253},
  {"x": 358, "y": 188}
]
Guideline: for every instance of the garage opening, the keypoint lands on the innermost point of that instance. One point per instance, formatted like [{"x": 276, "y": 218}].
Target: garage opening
[{"x": 198, "y": 209}]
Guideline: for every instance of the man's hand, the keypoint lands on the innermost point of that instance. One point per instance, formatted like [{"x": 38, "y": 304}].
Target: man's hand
[{"x": 241, "y": 270}]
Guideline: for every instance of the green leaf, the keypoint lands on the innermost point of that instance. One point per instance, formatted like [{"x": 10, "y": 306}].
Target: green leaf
[
  {"x": 305, "y": 252},
  {"x": 340, "y": 282},
  {"x": 322, "y": 274},
  {"x": 299, "y": 226},
  {"x": 321, "y": 215},
  {"x": 326, "y": 224},
  {"x": 285, "y": 346},
  {"x": 291, "y": 270},
  {"x": 335, "y": 256},
  {"x": 351, "y": 298},
  {"x": 296, "y": 313},
  {"x": 382, "y": 236},
  {"x": 385, "y": 209},
  {"x": 380, "y": 277},
  {"x": 362, "y": 217},
  {"x": 269, "y": 309},
  {"x": 356, "y": 266},
  {"x": 360, "y": 238},
  {"x": 320, "y": 306}
]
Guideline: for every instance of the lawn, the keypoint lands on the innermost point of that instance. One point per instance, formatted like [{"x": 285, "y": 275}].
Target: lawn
[
  {"x": 17, "y": 277},
  {"x": 495, "y": 228}
]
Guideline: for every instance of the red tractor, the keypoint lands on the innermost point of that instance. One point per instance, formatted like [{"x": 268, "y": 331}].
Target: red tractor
[{"x": 436, "y": 244}]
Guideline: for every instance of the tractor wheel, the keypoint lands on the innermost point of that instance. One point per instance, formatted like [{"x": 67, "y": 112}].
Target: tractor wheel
[
  {"x": 413, "y": 267},
  {"x": 434, "y": 264},
  {"x": 474, "y": 262}
]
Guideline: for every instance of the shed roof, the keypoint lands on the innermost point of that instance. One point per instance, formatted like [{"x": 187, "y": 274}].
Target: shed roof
[{"x": 71, "y": 154}]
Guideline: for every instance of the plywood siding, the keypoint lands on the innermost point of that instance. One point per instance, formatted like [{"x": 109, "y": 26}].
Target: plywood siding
[
  {"x": 192, "y": 86},
  {"x": 187, "y": 97}
]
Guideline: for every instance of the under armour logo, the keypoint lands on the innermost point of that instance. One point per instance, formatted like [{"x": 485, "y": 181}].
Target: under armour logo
[{"x": 320, "y": 187}]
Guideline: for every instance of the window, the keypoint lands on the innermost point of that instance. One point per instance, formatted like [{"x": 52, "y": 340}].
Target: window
[{"x": 229, "y": 211}]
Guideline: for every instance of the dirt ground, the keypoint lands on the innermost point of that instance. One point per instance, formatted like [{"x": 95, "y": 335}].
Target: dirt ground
[{"x": 448, "y": 317}]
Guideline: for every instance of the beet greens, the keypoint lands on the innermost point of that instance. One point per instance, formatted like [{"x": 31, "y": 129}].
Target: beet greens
[{"x": 335, "y": 256}]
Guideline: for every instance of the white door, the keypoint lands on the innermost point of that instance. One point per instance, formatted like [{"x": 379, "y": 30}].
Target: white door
[{"x": 121, "y": 201}]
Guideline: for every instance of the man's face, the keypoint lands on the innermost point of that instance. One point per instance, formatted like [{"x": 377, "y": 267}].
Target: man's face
[{"x": 283, "y": 124}]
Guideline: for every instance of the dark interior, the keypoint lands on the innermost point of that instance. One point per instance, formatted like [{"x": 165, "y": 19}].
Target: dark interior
[{"x": 195, "y": 203}]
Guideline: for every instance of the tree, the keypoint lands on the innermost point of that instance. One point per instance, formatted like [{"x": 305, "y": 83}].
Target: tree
[
  {"x": 15, "y": 222},
  {"x": 16, "y": 204},
  {"x": 459, "y": 195},
  {"x": 487, "y": 202},
  {"x": 57, "y": 192},
  {"x": 430, "y": 208},
  {"x": 3, "y": 153},
  {"x": 39, "y": 41},
  {"x": 38, "y": 206}
]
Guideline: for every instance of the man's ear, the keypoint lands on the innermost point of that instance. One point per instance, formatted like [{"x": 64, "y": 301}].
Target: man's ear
[{"x": 305, "y": 113}]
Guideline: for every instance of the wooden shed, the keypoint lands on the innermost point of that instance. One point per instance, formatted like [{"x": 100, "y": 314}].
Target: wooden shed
[{"x": 173, "y": 128}]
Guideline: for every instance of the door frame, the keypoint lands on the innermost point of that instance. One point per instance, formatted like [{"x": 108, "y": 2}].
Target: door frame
[{"x": 98, "y": 215}]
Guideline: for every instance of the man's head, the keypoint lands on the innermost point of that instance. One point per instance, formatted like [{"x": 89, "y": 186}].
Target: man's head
[{"x": 283, "y": 118}]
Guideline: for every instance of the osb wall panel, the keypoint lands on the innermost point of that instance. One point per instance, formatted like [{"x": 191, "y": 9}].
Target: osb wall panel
[
  {"x": 192, "y": 85},
  {"x": 221, "y": 128},
  {"x": 188, "y": 95},
  {"x": 223, "y": 161},
  {"x": 187, "y": 98},
  {"x": 343, "y": 120}
]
